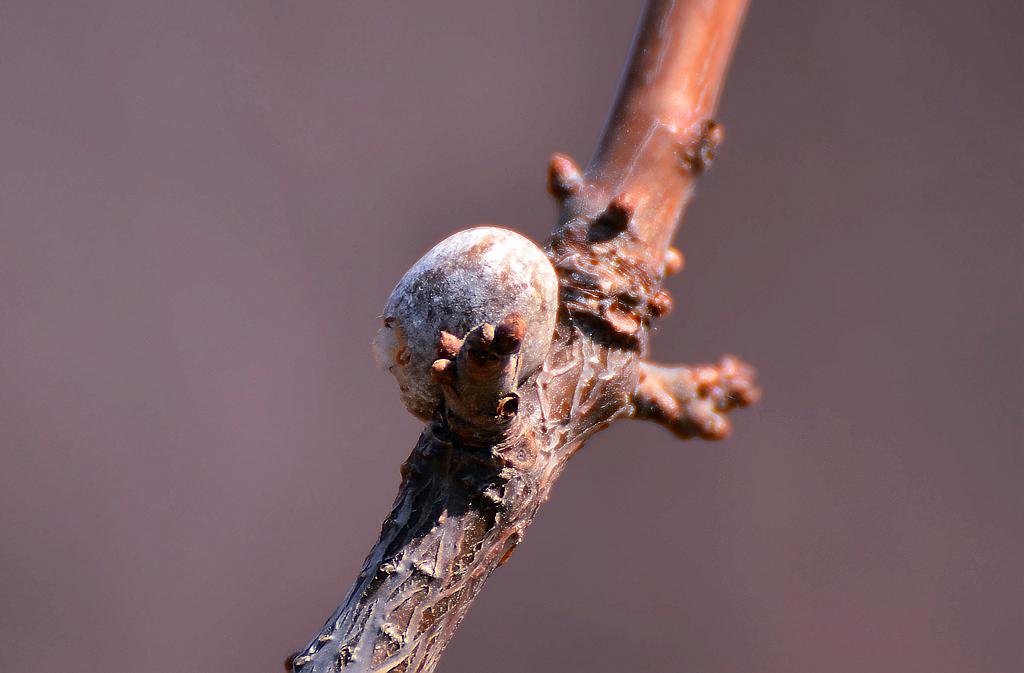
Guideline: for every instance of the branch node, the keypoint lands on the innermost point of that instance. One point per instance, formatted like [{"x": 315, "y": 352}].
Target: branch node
[
  {"x": 479, "y": 378},
  {"x": 693, "y": 401},
  {"x": 698, "y": 154}
]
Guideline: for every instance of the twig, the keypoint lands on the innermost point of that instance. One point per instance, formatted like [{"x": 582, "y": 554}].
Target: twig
[{"x": 501, "y": 436}]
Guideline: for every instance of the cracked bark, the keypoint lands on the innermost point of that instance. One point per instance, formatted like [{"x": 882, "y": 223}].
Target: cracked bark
[{"x": 489, "y": 458}]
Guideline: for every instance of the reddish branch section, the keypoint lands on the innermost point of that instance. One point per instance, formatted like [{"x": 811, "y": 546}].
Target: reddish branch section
[{"x": 488, "y": 459}]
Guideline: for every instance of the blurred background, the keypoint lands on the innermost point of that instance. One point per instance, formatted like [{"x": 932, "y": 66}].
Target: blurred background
[{"x": 204, "y": 205}]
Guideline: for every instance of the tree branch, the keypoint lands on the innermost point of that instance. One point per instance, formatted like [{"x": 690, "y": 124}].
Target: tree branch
[{"x": 502, "y": 433}]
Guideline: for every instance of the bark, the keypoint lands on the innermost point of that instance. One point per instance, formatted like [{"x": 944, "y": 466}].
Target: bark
[{"x": 477, "y": 476}]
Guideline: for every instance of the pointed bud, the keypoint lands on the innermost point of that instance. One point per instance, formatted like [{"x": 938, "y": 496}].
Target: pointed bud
[
  {"x": 674, "y": 261},
  {"x": 660, "y": 304},
  {"x": 564, "y": 177},
  {"x": 442, "y": 371},
  {"x": 448, "y": 345},
  {"x": 614, "y": 220},
  {"x": 509, "y": 334}
]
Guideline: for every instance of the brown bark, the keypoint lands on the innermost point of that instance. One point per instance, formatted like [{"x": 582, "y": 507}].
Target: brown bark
[{"x": 477, "y": 477}]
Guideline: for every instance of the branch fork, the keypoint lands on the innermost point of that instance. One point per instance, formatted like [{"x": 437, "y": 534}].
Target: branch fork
[{"x": 512, "y": 376}]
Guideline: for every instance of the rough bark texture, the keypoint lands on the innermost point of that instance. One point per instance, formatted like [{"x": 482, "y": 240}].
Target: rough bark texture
[{"x": 476, "y": 478}]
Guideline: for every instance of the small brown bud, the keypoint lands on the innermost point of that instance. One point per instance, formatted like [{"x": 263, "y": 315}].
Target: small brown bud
[
  {"x": 674, "y": 261},
  {"x": 442, "y": 371},
  {"x": 619, "y": 212},
  {"x": 564, "y": 177},
  {"x": 509, "y": 334},
  {"x": 701, "y": 152},
  {"x": 660, "y": 304},
  {"x": 480, "y": 339},
  {"x": 622, "y": 320},
  {"x": 448, "y": 345},
  {"x": 614, "y": 220},
  {"x": 706, "y": 377}
]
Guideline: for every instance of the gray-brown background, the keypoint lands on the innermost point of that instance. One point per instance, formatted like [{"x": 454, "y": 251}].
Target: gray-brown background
[{"x": 204, "y": 204}]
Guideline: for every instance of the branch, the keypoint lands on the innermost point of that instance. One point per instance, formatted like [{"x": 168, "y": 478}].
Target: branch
[
  {"x": 508, "y": 399},
  {"x": 693, "y": 401}
]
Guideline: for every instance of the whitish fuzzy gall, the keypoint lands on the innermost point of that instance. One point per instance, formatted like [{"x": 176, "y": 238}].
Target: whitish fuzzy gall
[{"x": 476, "y": 276}]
